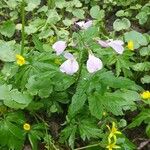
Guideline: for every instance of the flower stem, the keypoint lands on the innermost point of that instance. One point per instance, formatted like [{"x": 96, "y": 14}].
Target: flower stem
[
  {"x": 23, "y": 25},
  {"x": 85, "y": 147}
]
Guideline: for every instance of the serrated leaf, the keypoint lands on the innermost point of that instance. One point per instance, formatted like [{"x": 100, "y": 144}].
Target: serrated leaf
[
  {"x": 38, "y": 44},
  {"x": 95, "y": 105},
  {"x": 88, "y": 129},
  {"x": 140, "y": 118}
]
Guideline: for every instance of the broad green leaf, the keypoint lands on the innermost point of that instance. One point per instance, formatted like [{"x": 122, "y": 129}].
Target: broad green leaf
[
  {"x": 31, "y": 5},
  {"x": 142, "y": 17},
  {"x": 21, "y": 98},
  {"x": 7, "y": 28},
  {"x": 121, "y": 24},
  {"x": 6, "y": 52},
  {"x": 79, "y": 13},
  {"x": 145, "y": 51},
  {"x": 137, "y": 38},
  {"x": 145, "y": 66},
  {"x": 60, "y": 4},
  {"x": 53, "y": 16},
  {"x": 95, "y": 12},
  {"x": 4, "y": 92},
  {"x": 145, "y": 79}
]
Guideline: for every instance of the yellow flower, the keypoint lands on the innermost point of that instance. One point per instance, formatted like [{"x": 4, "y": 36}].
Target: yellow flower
[
  {"x": 110, "y": 146},
  {"x": 145, "y": 95},
  {"x": 26, "y": 127},
  {"x": 20, "y": 60},
  {"x": 57, "y": 61},
  {"x": 130, "y": 45},
  {"x": 113, "y": 131}
]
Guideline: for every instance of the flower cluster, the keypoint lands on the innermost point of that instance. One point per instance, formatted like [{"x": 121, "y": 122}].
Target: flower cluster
[
  {"x": 145, "y": 95},
  {"x": 71, "y": 66},
  {"x": 112, "y": 137}
]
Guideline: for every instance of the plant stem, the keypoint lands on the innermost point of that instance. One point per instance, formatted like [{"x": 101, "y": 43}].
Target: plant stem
[
  {"x": 88, "y": 146},
  {"x": 23, "y": 25}
]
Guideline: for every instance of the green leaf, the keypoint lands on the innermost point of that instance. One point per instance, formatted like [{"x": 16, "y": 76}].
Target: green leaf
[
  {"x": 79, "y": 98},
  {"x": 95, "y": 105},
  {"x": 145, "y": 79},
  {"x": 38, "y": 44},
  {"x": 144, "y": 115},
  {"x": 137, "y": 38},
  {"x": 95, "y": 12},
  {"x": 4, "y": 92},
  {"x": 121, "y": 24},
  {"x": 21, "y": 98},
  {"x": 33, "y": 141},
  {"x": 69, "y": 134},
  {"x": 148, "y": 130},
  {"x": 142, "y": 17},
  {"x": 41, "y": 84},
  {"x": 145, "y": 51},
  {"x": 79, "y": 13},
  {"x": 32, "y": 4},
  {"x": 6, "y": 52},
  {"x": 13, "y": 98},
  {"x": 53, "y": 16},
  {"x": 145, "y": 66},
  {"x": 7, "y": 29},
  {"x": 88, "y": 129}
]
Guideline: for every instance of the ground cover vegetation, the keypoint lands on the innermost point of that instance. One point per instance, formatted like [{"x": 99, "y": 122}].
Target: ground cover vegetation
[{"x": 74, "y": 74}]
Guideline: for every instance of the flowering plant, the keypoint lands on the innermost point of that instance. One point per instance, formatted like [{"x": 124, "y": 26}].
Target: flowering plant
[{"x": 71, "y": 68}]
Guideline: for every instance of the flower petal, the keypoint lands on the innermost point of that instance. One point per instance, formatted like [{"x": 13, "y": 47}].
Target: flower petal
[
  {"x": 117, "y": 46},
  {"x": 80, "y": 23},
  {"x": 103, "y": 43},
  {"x": 68, "y": 55},
  {"x": 59, "y": 47},
  {"x": 69, "y": 67},
  {"x": 87, "y": 24},
  {"x": 94, "y": 64}
]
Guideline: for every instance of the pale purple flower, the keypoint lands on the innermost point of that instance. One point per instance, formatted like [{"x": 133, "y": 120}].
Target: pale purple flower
[
  {"x": 103, "y": 43},
  {"x": 70, "y": 66},
  {"x": 93, "y": 63},
  {"x": 84, "y": 25},
  {"x": 117, "y": 45},
  {"x": 59, "y": 47}
]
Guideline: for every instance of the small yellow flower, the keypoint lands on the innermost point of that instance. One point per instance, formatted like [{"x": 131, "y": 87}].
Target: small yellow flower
[
  {"x": 145, "y": 95},
  {"x": 113, "y": 131},
  {"x": 130, "y": 45},
  {"x": 20, "y": 60},
  {"x": 110, "y": 146},
  {"x": 57, "y": 61},
  {"x": 104, "y": 113},
  {"x": 26, "y": 127}
]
